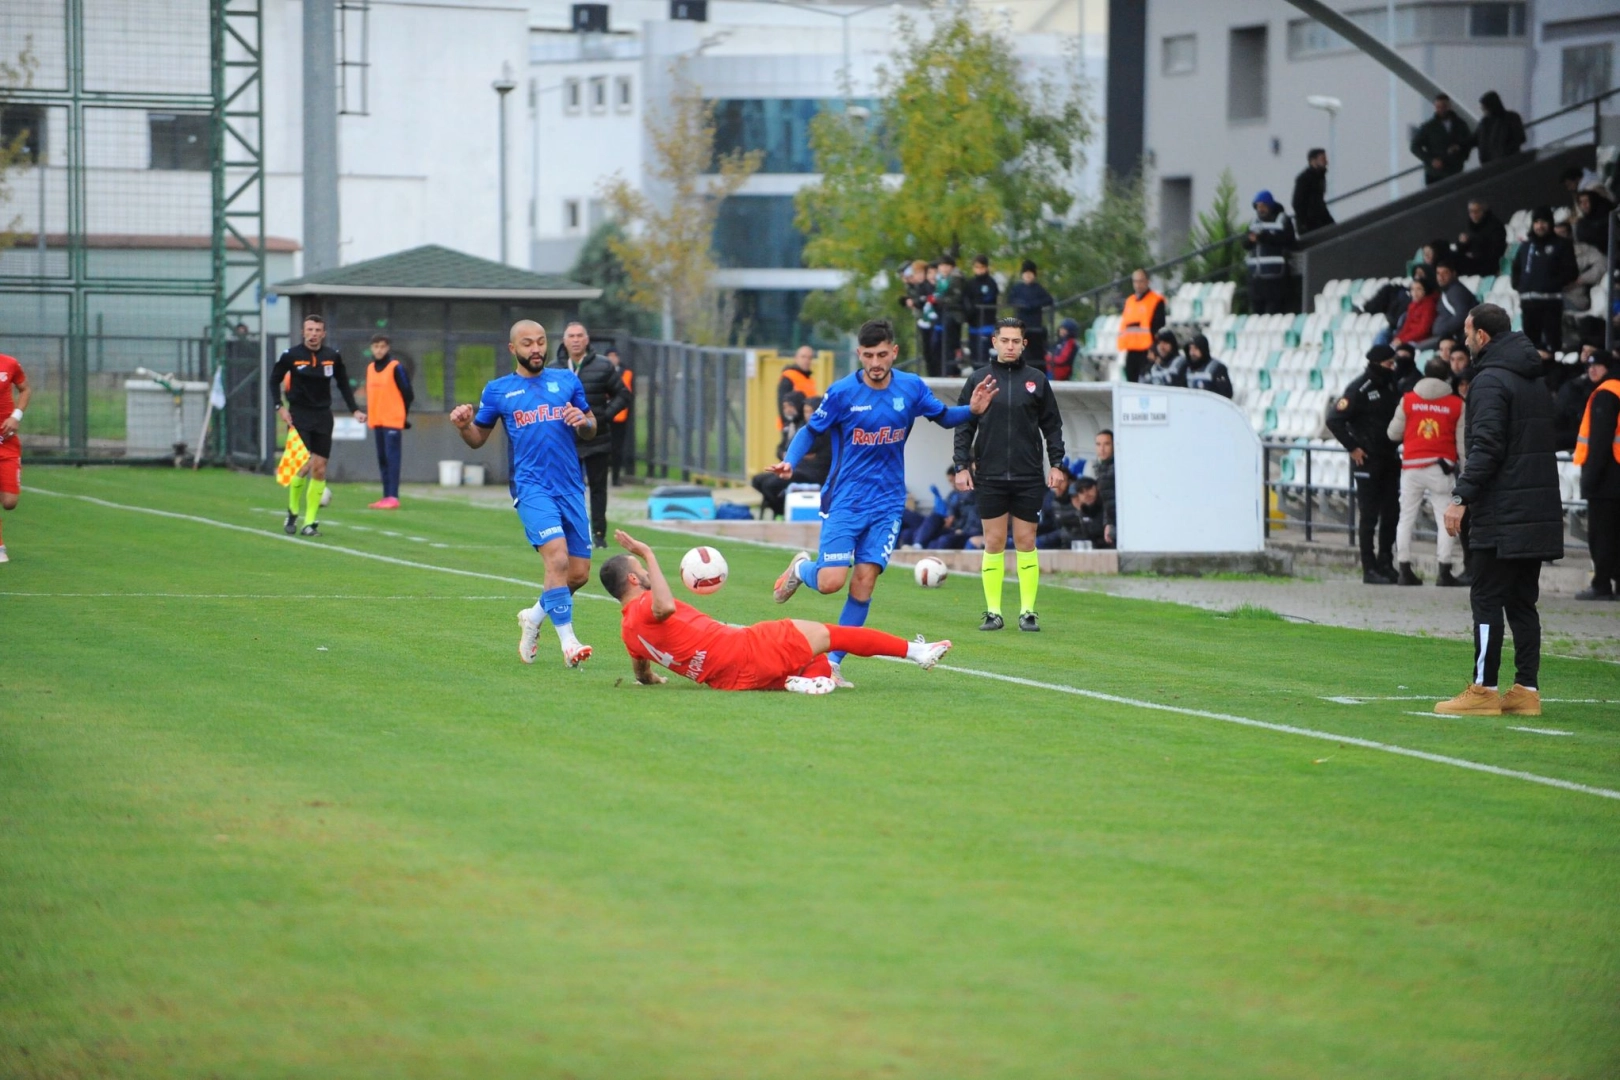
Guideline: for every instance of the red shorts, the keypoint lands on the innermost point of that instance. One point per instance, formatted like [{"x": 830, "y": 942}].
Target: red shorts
[
  {"x": 10, "y": 467},
  {"x": 775, "y": 652}
]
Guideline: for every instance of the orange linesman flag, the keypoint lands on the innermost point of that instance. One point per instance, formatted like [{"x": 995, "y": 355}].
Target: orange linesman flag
[{"x": 293, "y": 458}]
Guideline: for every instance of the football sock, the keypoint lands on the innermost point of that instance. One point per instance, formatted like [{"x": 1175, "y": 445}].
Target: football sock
[
  {"x": 854, "y": 614},
  {"x": 1029, "y": 579},
  {"x": 295, "y": 494},
  {"x": 863, "y": 642},
  {"x": 317, "y": 488},
  {"x": 993, "y": 571},
  {"x": 539, "y": 610},
  {"x": 808, "y": 571},
  {"x": 559, "y": 605}
]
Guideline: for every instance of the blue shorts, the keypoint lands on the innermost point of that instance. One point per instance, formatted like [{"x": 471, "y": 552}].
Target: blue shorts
[
  {"x": 849, "y": 538},
  {"x": 546, "y": 517}
]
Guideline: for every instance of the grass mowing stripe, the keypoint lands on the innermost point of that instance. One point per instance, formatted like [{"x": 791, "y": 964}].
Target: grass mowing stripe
[{"x": 1289, "y": 729}]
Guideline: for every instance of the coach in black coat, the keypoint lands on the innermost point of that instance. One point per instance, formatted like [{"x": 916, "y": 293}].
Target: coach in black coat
[
  {"x": 1509, "y": 491},
  {"x": 607, "y": 396}
]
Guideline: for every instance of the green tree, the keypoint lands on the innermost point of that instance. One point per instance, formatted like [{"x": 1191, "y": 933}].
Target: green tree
[
  {"x": 598, "y": 265},
  {"x": 1221, "y": 223},
  {"x": 986, "y": 160},
  {"x": 14, "y": 74},
  {"x": 1104, "y": 242}
]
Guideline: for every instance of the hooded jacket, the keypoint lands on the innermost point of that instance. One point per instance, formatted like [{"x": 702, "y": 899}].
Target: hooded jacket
[
  {"x": 1429, "y": 390},
  {"x": 1166, "y": 371},
  {"x": 1061, "y": 356},
  {"x": 1485, "y": 245},
  {"x": 1501, "y": 130},
  {"x": 1451, "y": 311},
  {"x": 1593, "y": 228},
  {"x": 1209, "y": 374},
  {"x": 1544, "y": 267},
  {"x": 1509, "y": 482}
]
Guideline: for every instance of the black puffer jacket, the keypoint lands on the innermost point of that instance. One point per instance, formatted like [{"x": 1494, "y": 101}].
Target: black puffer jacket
[
  {"x": 605, "y": 390},
  {"x": 1510, "y": 480}
]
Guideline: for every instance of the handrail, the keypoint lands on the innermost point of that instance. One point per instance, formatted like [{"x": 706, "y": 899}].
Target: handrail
[{"x": 1149, "y": 270}]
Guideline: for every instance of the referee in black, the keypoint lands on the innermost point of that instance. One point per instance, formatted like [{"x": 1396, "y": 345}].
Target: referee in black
[
  {"x": 309, "y": 370},
  {"x": 999, "y": 458}
]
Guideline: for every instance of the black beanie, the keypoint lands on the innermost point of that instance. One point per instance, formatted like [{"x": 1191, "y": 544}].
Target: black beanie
[
  {"x": 1379, "y": 354},
  {"x": 1541, "y": 213}
]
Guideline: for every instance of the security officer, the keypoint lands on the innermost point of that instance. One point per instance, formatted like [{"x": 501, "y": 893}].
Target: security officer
[
  {"x": 1597, "y": 452},
  {"x": 1269, "y": 240},
  {"x": 1360, "y": 420}
]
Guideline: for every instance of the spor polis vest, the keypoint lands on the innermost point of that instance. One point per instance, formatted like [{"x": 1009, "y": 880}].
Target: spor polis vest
[
  {"x": 385, "y": 405},
  {"x": 1136, "y": 322},
  {"x": 1584, "y": 439},
  {"x": 1431, "y": 430}
]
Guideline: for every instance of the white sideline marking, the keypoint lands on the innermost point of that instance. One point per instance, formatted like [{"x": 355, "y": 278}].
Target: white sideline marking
[
  {"x": 246, "y": 596},
  {"x": 1290, "y": 729},
  {"x": 1541, "y": 731},
  {"x": 307, "y": 543},
  {"x": 1441, "y": 697}
]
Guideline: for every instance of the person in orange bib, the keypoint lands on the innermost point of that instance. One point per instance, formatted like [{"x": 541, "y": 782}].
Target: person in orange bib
[
  {"x": 1597, "y": 452},
  {"x": 1139, "y": 323},
  {"x": 624, "y": 446},
  {"x": 782, "y": 654},
  {"x": 388, "y": 405}
]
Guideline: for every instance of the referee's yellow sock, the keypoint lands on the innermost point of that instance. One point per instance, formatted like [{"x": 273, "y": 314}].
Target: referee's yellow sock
[
  {"x": 992, "y": 572},
  {"x": 1029, "y": 579},
  {"x": 295, "y": 494},
  {"x": 317, "y": 488}
]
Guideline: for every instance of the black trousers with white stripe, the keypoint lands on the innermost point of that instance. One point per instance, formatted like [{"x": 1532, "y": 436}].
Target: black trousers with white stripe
[{"x": 1510, "y": 587}]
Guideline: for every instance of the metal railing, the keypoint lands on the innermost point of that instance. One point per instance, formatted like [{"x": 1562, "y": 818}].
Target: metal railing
[{"x": 691, "y": 409}]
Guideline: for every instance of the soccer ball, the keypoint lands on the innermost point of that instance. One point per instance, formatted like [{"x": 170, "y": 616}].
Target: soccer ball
[
  {"x": 930, "y": 572},
  {"x": 703, "y": 569}
]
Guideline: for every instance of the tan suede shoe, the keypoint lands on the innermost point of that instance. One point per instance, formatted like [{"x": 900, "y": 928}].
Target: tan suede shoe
[
  {"x": 1474, "y": 701},
  {"x": 1521, "y": 702}
]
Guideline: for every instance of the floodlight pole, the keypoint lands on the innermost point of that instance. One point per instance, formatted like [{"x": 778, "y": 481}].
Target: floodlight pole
[{"x": 503, "y": 86}]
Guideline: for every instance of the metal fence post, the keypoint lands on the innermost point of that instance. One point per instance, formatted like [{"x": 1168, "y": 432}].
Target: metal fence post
[{"x": 1310, "y": 494}]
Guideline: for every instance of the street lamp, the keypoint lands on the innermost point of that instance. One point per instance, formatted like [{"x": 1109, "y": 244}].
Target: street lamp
[
  {"x": 503, "y": 86},
  {"x": 1331, "y": 106}
]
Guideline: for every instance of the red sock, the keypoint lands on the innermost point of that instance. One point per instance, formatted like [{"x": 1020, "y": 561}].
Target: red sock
[{"x": 863, "y": 642}]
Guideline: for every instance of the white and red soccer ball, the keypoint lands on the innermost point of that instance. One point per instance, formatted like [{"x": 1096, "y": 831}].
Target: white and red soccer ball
[
  {"x": 930, "y": 572},
  {"x": 704, "y": 570}
]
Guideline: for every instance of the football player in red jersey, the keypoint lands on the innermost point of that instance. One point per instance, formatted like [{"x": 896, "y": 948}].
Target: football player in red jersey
[{"x": 14, "y": 395}]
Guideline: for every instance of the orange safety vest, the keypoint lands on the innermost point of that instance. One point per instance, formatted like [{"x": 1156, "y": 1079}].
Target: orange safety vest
[
  {"x": 629, "y": 378},
  {"x": 803, "y": 382},
  {"x": 1136, "y": 322},
  {"x": 385, "y": 405},
  {"x": 1582, "y": 441}
]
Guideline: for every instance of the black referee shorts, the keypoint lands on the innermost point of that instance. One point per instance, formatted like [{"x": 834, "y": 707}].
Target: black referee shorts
[
  {"x": 1021, "y": 498},
  {"x": 316, "y": 432}
]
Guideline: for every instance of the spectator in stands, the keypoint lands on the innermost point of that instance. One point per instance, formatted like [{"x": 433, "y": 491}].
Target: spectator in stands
[
  {"x": 1595, "y": 206},
  {"x": 1080, "y": 518},
  {"x": 917, "y": 296},
  {"x": 1269, "y": 240},
  {"x": 1103, "y": 472},
  {"x": 1501, "y": 130},
  {"x": 951, "y": 309},
  {"x": 1454, "y": 301},
  {"x": 1360, "y": 421},
  {"x": 1389, "y": 301},
  {"x": 1141, "y": 320},
  {"x": 1429, "y": 254},
  {"x": 812, "y": 468},
  {"x": 954, "y": 523},
  {"x": 1310, "y": 193},
  {"x": 1201, "y": 371},
  {"x": 1060, "y": 361},
  {"x": 1030, "y": 300},
  {"x": 1407, "y": 374},
  {"x": 1543, "y": 268},
  {"x": 1443, "y": 142},
  {"x": 624, "y": 428},
  {"x": 1590, "y": 264},
  {"x": 796, "y": 379},
  {"x": 1457, "y": 356},
  {"x": 1166, "y": 367},
  {"x": 1569, "y": 406},
  {"x": 1483, "y": 241},
  {"x": 1428, "y": 425},
  {"x": 1417, "y": 323},
  {"x": 1597, "y": 452},
  {"x": 1509, "y": 487},
  {"x": 984, "y": 294}
]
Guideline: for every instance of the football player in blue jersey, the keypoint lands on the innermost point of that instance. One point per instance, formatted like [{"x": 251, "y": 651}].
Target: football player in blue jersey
[
  {"x": 541, "y": 409},
  {"x": 870, "y": 414}
]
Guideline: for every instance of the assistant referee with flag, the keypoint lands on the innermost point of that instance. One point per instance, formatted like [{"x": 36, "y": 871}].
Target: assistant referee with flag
[{"x": 999, "y": 457}]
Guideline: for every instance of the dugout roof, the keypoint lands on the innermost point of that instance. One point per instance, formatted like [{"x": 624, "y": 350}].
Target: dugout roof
[{"x": 431, "y": 272}]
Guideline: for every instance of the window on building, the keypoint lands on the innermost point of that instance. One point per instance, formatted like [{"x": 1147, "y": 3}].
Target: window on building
[
  {"x": 571, "y": 214},
  {"x": 778, "y": 127},
  {"x": 1246, "y": 74},
  {"x": 757, "y": 231},
  {"x": 598, "y": 93},
  {"x": 27, "y": 123},
  {"x": 180, "y": 141},
  {"x": 1175, "y": 214},
  {"x": 1307, "y": 37},
  {"x": 1181, "y": 54},
  {"x": 1496, "y": 20},
  {"x": 1415, "y": 23},
  {"x": 572, "y": 95},
  {"x": 623, "y": 97},
  {"x": 1588, "y": 71}
]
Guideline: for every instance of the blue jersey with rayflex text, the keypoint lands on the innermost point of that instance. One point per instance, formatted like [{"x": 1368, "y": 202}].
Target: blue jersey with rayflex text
[
  {"x": 540, "y": 446},
  {"x": 869, "y": 429}
]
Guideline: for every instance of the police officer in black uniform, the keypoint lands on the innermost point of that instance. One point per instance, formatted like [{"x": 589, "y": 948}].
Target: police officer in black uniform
[{"x": 1360, "y": 420}]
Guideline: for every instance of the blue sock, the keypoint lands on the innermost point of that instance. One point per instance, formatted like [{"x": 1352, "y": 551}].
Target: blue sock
[
  {"x": 854, "y": 614},
  {"x": 559, "y": 606},
  {"x": 808, "y": 569}
]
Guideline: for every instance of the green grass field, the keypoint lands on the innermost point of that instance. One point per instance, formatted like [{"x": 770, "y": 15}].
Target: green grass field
[{"x": 272, "y": 809}]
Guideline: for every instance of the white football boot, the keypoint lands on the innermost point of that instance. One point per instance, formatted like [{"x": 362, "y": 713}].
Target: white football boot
[
  {"x": 789, "y": 582},
  {"x": 925, "y": 654},
  {"x": 529, "y": 640}
]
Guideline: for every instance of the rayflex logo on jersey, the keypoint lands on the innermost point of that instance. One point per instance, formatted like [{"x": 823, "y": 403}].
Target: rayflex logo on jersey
[
  {"x": 883, "y": 436},
  {"x": 524, "y": 417}
]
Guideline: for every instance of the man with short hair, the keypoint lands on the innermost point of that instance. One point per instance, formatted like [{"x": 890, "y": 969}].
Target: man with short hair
[
  {"x": 1139, "y": 323},
  {"x": 984, "y": 294},
  {"x": 1103, "y": 471},
  {"x": 870, "y": 414},
  {"x": 1428, "y": 427},
  {"x": 1569, "y": 406},
  {"x": 1453, "y": 303},
  {"x": 388, "y": 404},
  {"x": 15, "y": 392},
  {"x": 1081, "y": 517},
  {"x": 1542, "y": 269},
  {"x": 951, "y": 309},
  {"x": 1360, "y": 421},
  {"x": 1597, "y": 452},
  {"x": 1310, "y": 193},
  {"x": 608, "y": 396},
  {"x": 1443, "y": 142},
  {"x": 310, "y": 368},
  {"x": 796, "y": 379},
  {"x": 1269, "y": 240},
  {"x": 1030, "y": 301},
  {"x": 1483, "y": 241},
  {"x": 1508, "y": 489},
  {"x": 999, "y": 458},
  {"x": 1166, "y": 367},
  {"x": 543, "y": 410},
  {"x": 785, "y": 654}
]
